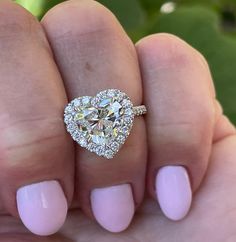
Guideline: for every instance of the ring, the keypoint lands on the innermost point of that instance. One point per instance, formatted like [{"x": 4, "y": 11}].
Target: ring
[{"x": 102, "y": 123}]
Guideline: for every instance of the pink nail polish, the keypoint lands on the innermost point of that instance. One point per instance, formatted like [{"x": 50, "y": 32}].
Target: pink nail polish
[
  {"x": 113, "y": 207},
  {"x": 42, "y": 207},
  {"x": 174, "y": 191}
]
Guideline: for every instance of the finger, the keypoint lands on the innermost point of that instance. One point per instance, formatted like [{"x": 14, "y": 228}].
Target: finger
[
  {"x": 94, "y": 54},
  {"x": 179, "y": 94},
  {"x": 212, "y": 201},
  {"x": 223, "y": 127},
  {"x": 36, "y": 155}
]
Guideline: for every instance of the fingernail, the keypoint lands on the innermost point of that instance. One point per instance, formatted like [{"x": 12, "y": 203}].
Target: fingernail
[
  {"x": 42, "y": 207},
  {"x": 174, "y": 191},
  {"x": 113, "y": 207}
]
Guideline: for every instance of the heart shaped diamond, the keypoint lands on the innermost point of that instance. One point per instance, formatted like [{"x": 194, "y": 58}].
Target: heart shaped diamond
[{"x": 102, "y": 123}]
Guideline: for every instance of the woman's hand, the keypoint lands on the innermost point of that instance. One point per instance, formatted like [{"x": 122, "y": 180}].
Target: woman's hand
[{"x": 184, "y": 145}]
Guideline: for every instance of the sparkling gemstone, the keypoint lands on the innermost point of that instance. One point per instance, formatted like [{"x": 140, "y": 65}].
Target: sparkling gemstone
[
  {"x": 76, "y": 102},
  {"x": 82, "y": 141},
  {"x": 71, "y": 127},
  {"x": 114, "y": 145},
  {"x": 121, "y": 139},
  {"x": 103, "y": 121},
  {"x": 86, "y": 100},
  {"x": 100, "y": 124},
  {"x": 100, "y": 150},
  {"x": 68, "y": 118},
  {"x": 68, "y": 109},
  {"x": 109, "y": 154}
]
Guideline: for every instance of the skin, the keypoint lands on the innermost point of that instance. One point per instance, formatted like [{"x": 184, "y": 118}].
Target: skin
[{"x": 78, "y": 49}]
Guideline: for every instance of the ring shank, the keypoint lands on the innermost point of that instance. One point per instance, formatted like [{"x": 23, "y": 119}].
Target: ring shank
[{"x": 139, "y": 110}]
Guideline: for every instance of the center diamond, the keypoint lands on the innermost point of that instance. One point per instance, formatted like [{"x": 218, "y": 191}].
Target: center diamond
[{"x": 100, "y": 124}]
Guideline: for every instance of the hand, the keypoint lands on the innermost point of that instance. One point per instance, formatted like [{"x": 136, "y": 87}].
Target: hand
[{"x": 78, "y": 49}]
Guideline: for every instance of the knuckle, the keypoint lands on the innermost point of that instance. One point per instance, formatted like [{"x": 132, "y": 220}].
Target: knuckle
[
  {"x": 168, "y": 50},
  {"x": 27, "y": 143},
  {"x": 16, "y": 21},
  {"x": 13, "y": 19},
  {"x": 98, "y": 17},
  {"x": 65, "y": 22},
  {"x": 179, "y": 140}
]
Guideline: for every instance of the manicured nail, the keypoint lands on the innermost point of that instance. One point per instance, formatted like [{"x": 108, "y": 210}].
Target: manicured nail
[
  {"x": 174, "y": 191},
  {"x": 42, "y": 207},
  {"x": 113, "y": 207}
]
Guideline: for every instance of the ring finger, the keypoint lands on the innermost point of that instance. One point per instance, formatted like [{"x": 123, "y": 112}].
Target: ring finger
[{"x": 93, "y": 54}]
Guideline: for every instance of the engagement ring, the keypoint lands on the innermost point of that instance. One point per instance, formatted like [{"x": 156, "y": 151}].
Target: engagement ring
[{"x": 101, "y": 123}]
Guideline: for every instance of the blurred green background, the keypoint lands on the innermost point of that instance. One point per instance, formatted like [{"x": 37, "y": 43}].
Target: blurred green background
[{"x": 209, "y": 26}]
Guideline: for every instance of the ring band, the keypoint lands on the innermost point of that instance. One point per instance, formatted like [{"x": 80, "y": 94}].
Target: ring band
[
  {"x": 139, "y": 110},
  {"x": 102, "y": 123}
]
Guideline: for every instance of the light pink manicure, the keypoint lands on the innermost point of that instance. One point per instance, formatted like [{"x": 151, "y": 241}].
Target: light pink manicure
[
  {"x": 42, "y": 207},
  {"x": 113, "y": 207},
  {"x": 174, "y": 191}
]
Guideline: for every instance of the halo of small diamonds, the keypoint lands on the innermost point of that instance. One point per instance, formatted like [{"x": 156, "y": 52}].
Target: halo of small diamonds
[{"x": 102, "y": 123}]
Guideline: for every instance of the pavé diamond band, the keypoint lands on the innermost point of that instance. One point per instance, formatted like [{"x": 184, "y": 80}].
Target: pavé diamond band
[{"x": 102, "y": 123}]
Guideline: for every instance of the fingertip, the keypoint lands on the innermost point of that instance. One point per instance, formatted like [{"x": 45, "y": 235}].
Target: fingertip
[
  {"x": 173, "y": 191},
  {"x": 42, "y": 207},
  {"x": 113, "y": 207},
  {"x": 67, "y": 16},
  {"x": 166, "y": 50}
]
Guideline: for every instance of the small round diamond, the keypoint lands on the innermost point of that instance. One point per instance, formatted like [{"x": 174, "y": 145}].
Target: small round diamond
[
  {"x": 82, "y": 141},
  {"x": 128, "y": 120},
  {"x": 125, "y": 130},
  {"x": 109, "y": 154},
  {"x": 86, "y": 100},
  {"x": 91, "y": 147},
  {"x": 114, "y": 146},
  {"x": 95, "y": 101},
  {"x": 100, "y": 150},
  {"x": 76, "y": 102},
  {"x": 127, "y": 103},
  {"x": 68, "y": 118},
  {"x": 71, "y": 127},
  {"x": 129, "y": 111},
  {"x": 111, "y": 93},
  {"x": 68, "y": 109},
  {"x": 121, "y": 139},
  {"x": 76, "y": 135}
]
